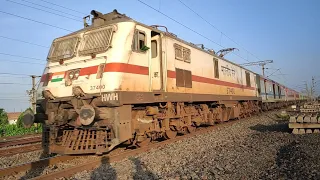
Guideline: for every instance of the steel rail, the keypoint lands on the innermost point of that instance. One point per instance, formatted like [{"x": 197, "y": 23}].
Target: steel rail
[
  {"x": 9, "y": 138},
  {"x": 20, "y": 149},
  {"x": 21, "y": 141},
  {"x": 36, "y": 164}
]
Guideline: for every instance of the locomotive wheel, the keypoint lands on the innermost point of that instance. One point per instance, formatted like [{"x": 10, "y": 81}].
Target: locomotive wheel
[
  {"x": 191, "y": 129},
  {"x": 184, "y": 130},
  {"x": 145, "y": 142},
  {"x": 169, "y": 134}
]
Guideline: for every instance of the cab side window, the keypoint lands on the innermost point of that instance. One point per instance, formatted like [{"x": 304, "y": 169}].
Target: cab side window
[
  {"x": 139, "y": 41},
  {"x": 154, "y": 49},
  {"x": 248, "y": 79},
  {"x": 216, "y": 68}
]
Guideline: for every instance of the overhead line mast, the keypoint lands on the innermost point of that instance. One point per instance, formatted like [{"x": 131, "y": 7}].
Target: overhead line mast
[{"x": 260, "y": 63}]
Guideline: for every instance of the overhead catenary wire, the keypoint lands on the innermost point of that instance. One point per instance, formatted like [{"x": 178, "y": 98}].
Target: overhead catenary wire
[
  {"x": 217, "y": 28},
  {"x": 273, "y": 72},
  {"x": 20, "y": 77},
  {"x": 13, "y": 95},
  {"x": 222, "y": 33},
  {"x": 44, "y": 10},
  {"x": 10, "y": 83},
  {"x": 29, "y": 19},
  {"x": 188, "y": 27},
  {"x": 63, "y": 7},
  {"x": 64, "y": 12},
  {"x": 25, "y": 96},
  {"x": 13, "y": 55},
  {"x": 13, "y": 39},
  {"x": 140, "y": 2},
  {"x": 14, "y": 74},
  {"x": 24, "y": 62},
  {"x": 10, "y": 99}
]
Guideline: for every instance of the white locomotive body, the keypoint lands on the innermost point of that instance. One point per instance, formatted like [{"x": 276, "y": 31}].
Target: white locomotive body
[{"x": 120, "y": 81}]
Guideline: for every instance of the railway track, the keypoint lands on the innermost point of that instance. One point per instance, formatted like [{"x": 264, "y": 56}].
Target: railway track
[
  {"x": 108, "y": 158},
  {"x": 36, "y": 164},
  {"x": 8, "y": 138},
  {"x": 20, "y": 149},
  {"x": 20, "y": 141},
  {"x": 19, "y": 144}
]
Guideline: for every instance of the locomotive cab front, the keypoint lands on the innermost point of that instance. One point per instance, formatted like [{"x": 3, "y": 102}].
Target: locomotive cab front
[{"x": 79, "y": 99}]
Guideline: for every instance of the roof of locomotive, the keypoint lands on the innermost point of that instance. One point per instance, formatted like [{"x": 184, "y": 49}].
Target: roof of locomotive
[{"x": 115, "y": 17}]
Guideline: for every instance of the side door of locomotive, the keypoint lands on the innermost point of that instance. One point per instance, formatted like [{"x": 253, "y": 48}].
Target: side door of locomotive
[{"x": 156, "y": 62}]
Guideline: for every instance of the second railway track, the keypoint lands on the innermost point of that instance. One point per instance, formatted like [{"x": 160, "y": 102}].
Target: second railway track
[
  {"x": 19, "y": 144},
  {"x": 21, "y": 149},
  {"x": 20, "y": 141}
]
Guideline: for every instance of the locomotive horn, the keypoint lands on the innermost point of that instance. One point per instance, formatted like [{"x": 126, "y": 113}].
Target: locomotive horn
[
  {"x": 97, "y": 14},
  {"x": 28, "y": 118}
]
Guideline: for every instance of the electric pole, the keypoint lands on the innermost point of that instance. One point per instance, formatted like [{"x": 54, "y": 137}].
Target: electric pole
[
  {"x": 307, "y": 89},
  {"x": 33, "y": 93},
  {"x": 262, "y": 64},
  {"x": 312, "y": 88}
]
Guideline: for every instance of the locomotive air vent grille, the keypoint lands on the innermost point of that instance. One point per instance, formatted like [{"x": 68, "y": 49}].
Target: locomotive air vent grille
[
  {"x": 182, "y": 53},
  {"x": 63, "y": 48},
  {"x": 96, "y": 41}
]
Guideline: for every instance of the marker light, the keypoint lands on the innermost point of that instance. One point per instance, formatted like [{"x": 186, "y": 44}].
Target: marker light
[
  {"x": 76, "y": 74},
  {"x": 71, "y": 75}
]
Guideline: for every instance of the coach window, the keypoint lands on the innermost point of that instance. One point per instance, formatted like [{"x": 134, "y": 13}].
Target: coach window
[
  {"x": 139, "y": 40},
  {"x": 216, "y": 68},
  {"x": 154, "y": 52},
  {"x": 248, "y": 79}
]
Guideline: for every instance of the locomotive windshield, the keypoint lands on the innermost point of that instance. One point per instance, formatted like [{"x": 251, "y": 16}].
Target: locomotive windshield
[
  {"x": 93, "y": 42},
  {"x": 63, "y": 48},
  {"x": 96, "y": 41}
]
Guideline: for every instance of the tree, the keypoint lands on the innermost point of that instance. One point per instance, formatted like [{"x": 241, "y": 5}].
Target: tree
[{"x": 3, "y": 117}]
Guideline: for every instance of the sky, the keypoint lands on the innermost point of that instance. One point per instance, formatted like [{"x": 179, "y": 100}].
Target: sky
[{"x": 286, "y": 32}]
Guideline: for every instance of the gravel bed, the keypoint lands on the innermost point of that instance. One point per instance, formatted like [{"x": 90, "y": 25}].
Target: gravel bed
[
  {"x": 21, "y": 158},
  {"x": 52, "y": 168},
  {"x": 260, "y": 147}
]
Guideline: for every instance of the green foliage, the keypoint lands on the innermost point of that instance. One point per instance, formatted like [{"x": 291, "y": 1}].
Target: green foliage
[
  {"x": 3, "y": 117},
  {"x": 144, "y": 48},
  {"x": 14, "y": 130},
  {"x": 17, "y": 129}
]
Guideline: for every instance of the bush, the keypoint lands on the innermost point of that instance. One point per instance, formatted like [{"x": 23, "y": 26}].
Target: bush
[
  {"x": 3, "y": 117},
  {"x": 14, "y": 130}
]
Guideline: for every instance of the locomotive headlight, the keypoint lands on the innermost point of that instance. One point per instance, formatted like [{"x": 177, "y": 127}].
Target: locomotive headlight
[
  {"x": 71, "y": 75},
  {"x": 76, "y": 74}
]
